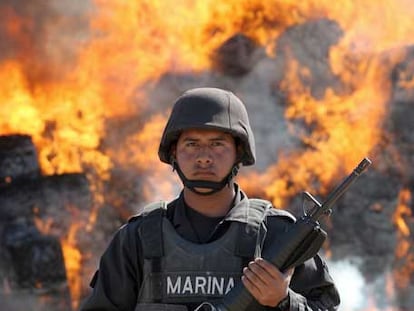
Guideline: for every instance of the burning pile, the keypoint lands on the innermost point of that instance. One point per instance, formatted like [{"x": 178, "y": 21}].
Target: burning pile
[
  {"x": 36, "y": 218},
  {"x": 90, "y": 83}
]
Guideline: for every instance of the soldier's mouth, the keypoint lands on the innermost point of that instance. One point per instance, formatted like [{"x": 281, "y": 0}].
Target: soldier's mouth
[{"x": 207, "y": 175}]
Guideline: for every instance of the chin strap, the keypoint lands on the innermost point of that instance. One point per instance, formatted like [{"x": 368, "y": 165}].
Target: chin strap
[{"x": 215, "y": 186}]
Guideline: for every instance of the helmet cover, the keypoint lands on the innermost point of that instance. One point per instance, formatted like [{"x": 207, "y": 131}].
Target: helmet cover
[{"x": 209, "y": 108}]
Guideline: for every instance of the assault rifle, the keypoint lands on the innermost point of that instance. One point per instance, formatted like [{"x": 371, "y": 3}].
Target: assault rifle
[{"x": 300, "y": 243}]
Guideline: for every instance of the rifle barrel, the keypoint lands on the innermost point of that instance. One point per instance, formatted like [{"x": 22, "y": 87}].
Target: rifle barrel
[{"x": 340, "y": 190}]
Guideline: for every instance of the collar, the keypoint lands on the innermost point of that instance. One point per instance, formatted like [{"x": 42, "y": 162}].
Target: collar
[{"x": 239, "y": 211}]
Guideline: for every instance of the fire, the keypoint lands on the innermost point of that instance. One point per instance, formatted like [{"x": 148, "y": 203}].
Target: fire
[
  {"x": 344, "y": 129},
  {"x": 69, "y": 96},
  {"x": 70, "y": 251},
  {"x": 16, "y": 98},
  {"x": 73, "y": 264},
  {"x": 139, "y": 146},
  {"x": 402, "y": 213},
  {"x": 402, "y": 219}
]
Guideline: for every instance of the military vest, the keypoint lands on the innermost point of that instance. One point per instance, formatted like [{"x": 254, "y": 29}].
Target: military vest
[{"x": 179, "y": 273}]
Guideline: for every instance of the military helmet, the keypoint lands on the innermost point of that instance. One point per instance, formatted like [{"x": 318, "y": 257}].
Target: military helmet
[{"x": 209, "y": 108}]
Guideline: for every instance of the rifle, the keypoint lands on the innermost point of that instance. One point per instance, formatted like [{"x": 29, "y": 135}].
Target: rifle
[{"x": 300, "y": 243}]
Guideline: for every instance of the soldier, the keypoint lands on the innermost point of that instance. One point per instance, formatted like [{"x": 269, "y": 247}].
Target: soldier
[{"x": 194, "y": 249}]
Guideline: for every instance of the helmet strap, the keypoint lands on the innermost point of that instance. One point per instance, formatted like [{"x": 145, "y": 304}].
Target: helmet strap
[{"x": 213, "y": 185}]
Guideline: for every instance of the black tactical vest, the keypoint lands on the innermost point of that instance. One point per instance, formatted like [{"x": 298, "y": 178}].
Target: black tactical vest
[{"x": 178, "y": 273}]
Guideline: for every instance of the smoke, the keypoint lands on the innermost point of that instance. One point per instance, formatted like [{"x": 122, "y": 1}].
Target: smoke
[
  {"x": 350, "y": 283},
  {"x": 357, "y": 293},
  {"x": 266, "y": 113},
  {"x": 264, "y": 104},
  {"x": 43, "y": 36}
]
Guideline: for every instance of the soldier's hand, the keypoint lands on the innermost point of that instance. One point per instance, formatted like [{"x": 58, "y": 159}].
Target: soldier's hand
[{"x": 265, "y": 282}]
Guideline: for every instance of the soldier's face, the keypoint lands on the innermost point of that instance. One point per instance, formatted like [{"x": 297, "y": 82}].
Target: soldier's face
[{"x": 205, "y": 154}]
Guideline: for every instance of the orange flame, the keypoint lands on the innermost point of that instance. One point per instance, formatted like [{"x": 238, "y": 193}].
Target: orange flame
[
  {"x": 132, "y": 44},
  {"x": 401, "y": 218},
  {"x": 73, "y": 264}
]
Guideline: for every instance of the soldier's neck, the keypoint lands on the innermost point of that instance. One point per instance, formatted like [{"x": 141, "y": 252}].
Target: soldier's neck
[{"x": 214, "y": 205}]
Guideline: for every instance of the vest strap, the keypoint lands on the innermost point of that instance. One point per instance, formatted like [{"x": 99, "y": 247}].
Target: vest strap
[
  {"x": 151, "y": 230},
  {"x": 152, "y": 241},
  {"x": 252, "y": 236}
]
